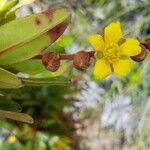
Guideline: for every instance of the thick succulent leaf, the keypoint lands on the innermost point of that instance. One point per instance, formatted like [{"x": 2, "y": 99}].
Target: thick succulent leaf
[
  {"x": 31, "y": 66},
  {"x": 9, "y": 80},
  {"x": 26, "y": 37},
  {"x": 9, "y": 17},
  {"x": 56, "y": 49},
  {"x": 9, "y": 105},
  {"x": 28, "y": 28},
  {"x": 63, "y": 70},
  {"x": 16, "y": 116},
  {"x": 25, "y": 51},
  {"x": 7, "y": 7},
  {"x": 2, "y": 3},
  {"x": 61, "y": 80},
  {"x": 35, "y": 68},
  {"x": 8, "y": 14},
  {"x": 22, "y": 3}
]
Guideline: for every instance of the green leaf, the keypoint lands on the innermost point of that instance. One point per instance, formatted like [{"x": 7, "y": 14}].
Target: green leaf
[
  {"x": 65, "y": 41},
  {"x": 26, "y": 37},
  {"x": 22, "y": 3},
  {"x": 56, "y": 49},
  {"x": 7, "y": 12},
  {"x": 2, "y": 3},
  {"x": 31, "y": 66},
  {"x": 7, "y": 7},
  {"x": 9, "y": 17},
  {"x": 61, "y": 80},
  {"x": 16, "y": 116},
  {"x": 9, "y": 80},
  {"x": 9, "y": 105},
  {"x": 35, "y": 68}
]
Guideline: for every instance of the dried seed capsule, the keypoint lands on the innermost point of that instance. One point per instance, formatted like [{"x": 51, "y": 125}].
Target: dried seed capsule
[
  {"x": 81, "y": 60},
  {"x": 141, "y": 56},
  {"x": 147, "y": 44},
  {"x": 51, "y": 61}
]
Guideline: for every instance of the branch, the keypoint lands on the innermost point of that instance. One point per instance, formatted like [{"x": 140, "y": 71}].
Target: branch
[{"x": 81, "y": 60}]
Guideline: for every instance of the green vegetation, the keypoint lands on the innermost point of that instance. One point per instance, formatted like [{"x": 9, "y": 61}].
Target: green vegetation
[{"x": 87, "y": 114}]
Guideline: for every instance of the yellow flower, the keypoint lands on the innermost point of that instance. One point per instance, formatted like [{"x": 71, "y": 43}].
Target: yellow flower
[
  {"x": 12, "y": 139},
  {"x": 113, "y": 51}
]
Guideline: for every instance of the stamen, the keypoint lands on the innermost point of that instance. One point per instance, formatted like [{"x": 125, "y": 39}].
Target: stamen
[{"x": 112, "y": 53}]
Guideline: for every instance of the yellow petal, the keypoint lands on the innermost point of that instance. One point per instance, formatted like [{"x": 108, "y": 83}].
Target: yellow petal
[
  {"x": 122, "y": 66},
  {"x": 113, "y": 32},
  {"x": 102, "y": 69},
  {"x": 131, "y": 47},
  {"x": 97, "y": 42}
]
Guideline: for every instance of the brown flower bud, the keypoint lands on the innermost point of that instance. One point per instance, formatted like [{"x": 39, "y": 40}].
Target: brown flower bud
[
  {"x": 141, "y": 56},
  {"x": 81, "y": 60},
  {"x": 51, "y": 61}
]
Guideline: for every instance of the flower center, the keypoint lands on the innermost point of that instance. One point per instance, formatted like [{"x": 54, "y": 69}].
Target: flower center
[{"x": 112, "y": 53}]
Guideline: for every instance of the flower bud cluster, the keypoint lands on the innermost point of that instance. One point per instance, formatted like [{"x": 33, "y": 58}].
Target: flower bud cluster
[{"x": 81, "y": 60}]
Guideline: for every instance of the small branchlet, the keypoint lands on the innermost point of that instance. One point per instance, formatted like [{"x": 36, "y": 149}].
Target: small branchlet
[
  {"x": 81, "y": 60},
  {"x": 51, "y": 60}
]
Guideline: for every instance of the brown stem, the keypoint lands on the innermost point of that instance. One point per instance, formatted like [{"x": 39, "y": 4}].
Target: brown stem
[
  {"x": 92, "y": 54},
  {"x": 37, "y": 57},
  {"x": 65, "y": 56},
  {"x": 81, "y": 59},
  {"x": 146, "y": 44}
]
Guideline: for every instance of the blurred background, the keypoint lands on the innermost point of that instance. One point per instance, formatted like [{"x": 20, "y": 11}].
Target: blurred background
[{"x": 113, "y": 114}]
